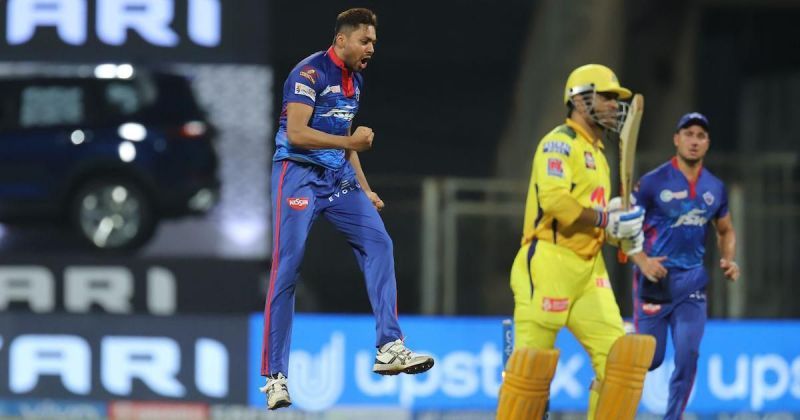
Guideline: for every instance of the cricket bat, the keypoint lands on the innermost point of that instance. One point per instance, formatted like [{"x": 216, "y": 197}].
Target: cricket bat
[{"x": 627, "y": 154}]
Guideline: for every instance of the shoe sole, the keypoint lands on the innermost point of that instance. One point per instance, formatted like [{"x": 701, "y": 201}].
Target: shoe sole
[
  {"x": 280, "y": 404},
  {"x": 396, "y": 370}
]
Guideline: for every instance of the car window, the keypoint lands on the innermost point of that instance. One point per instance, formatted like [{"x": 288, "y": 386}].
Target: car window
[
  {"x": 51, "y": 105},
  {"x": 123, "y": 98}
]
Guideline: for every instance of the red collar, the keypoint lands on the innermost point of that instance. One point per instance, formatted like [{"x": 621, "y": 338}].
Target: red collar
[
  {"x": 692, "y": 184},
  {"x": 336, "y": 60},
  {"x": 347, "y": 75}
]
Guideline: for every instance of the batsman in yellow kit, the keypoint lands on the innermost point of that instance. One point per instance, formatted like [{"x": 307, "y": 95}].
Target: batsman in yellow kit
[{"x": 558, "y": 277}]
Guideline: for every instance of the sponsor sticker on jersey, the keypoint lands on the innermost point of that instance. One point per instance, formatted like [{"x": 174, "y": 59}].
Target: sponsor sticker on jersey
[
  {"x": 651, "y": 308},
  {"x": 708, "y": 197},
  {"x": 331, "y": 89},
  {"x": 555, "y": 167},
  {"x": 297, "y": 203},
  {"x": 598, "y": 198},
  {"x": 588, "y": 157},
  {"x": 603, "y": 282},
  {"x": 555, "y": 304},
  {"x": 693, "y": 218},
  {"x": 557, "y": 147},
  {"x": 667, "y": 195},
  {"x": 301, "y": 89},
  {"x": 309, "y": 73}
]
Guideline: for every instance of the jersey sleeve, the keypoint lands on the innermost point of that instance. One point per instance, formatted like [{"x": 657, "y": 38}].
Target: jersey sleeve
[
  {"x": 642, "y": 194},
  {"x": 722, "y": 211},
  {"x": 552, "y": 167},
  {"x": 303, "y": 85}
]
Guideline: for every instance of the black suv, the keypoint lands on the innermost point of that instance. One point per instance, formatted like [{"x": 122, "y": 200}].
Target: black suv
[{"x": 111, "y": 156}]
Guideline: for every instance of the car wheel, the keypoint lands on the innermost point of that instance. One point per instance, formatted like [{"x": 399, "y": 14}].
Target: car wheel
[{"x": 113, "y": 214}]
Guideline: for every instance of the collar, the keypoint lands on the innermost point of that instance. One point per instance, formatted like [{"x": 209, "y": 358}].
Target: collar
[
  {"x": 692, "y": 184},
  {"x": 586, "y": 136},
  {"x": 336, "y": 60}
]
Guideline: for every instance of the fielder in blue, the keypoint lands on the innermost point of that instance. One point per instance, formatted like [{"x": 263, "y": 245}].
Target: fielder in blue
[
  {"x": 680, "y": 198},
  {"x": 316, "y": 171}
]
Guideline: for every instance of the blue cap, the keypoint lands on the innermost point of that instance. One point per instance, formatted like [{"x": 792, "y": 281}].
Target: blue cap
[{"x": 692, "y": 118}]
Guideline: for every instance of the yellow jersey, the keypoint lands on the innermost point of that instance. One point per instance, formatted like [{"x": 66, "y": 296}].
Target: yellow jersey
[{"x": 570, "y": 172}]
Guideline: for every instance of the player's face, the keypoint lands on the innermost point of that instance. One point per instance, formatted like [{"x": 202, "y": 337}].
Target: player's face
[
  {"x": 692, "y": 143},
  {"x": 605, "y": 108},
  {"x": 359, "y": 46}
]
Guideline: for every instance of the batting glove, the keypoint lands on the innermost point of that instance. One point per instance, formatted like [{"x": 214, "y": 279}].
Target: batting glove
[
  {"x": 621, "y": 224},
  {"x": 632, "y": 245}
]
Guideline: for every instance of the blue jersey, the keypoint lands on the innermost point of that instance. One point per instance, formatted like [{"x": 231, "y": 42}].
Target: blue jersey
[
  {"x": 678, "y": 212},
  {"x": 323, "y": 82}
]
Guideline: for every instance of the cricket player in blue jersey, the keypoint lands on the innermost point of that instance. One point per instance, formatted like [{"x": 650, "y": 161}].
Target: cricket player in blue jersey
[
  {"x": 316, "y": 171},
  {"x": 680, "y": 198}
]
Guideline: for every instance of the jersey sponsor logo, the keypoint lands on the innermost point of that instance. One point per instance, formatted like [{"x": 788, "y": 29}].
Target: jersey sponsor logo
[
  {"x": 651, "y": 308},
  {"x": 667, "y": 195},
  {"x": 603, "y": 282},
  {"x": 555, "y": 167},
  {"x": 708, "y": 197},
  {"x": 555, "y": 304},
  {"x": 598, "y": 197},
  {"x": 588, "y": 157},
  {"x": 345, "y": 114},
  {"x": 331, "y": 89},
  {"x": 346, "y": 188},
  {"x": 693, "y": 218},
  {"x": 557, "y": 147},
  {"x": 301, "y": 89},
  {"x": 358, "y": 94},
  {"x": 309, "y": 73},
  {"x": 297, "y": 203},
  {"x": 698, "y": 295}
]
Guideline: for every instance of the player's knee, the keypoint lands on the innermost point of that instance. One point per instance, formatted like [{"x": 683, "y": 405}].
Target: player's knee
[
  {"x": 385, "y": 243},
  {"x": 658, "y": 357}
]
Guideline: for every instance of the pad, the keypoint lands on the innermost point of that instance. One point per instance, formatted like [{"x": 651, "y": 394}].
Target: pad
[
  {"x": 626, "y": 366},
  {"x": 526, "y": 384}
]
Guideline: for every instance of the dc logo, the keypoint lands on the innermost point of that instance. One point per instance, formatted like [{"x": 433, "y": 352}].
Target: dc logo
[{"x": 317, "y": 380}]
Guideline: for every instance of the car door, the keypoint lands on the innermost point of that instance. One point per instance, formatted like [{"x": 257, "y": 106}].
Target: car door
[{"x": 46, "y": 124}]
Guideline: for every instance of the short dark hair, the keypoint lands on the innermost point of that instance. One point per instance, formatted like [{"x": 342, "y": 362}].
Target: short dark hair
[{"x": 351, "y": 19}]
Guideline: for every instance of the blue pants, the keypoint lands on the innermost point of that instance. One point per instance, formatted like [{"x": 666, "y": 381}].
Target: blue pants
[
  {"x": 686, "y": 317},
  {"x": 301, "y": 192}
]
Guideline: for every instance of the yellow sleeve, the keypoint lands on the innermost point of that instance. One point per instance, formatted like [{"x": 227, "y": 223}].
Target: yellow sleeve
[{"x": 553, "y": 171}]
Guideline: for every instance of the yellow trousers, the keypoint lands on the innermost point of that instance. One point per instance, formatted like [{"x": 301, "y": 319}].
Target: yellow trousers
[{"x": 554, "y": 287}]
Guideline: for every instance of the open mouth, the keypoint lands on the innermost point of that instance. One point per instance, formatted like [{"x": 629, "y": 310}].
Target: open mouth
[{"x": 364, "y": 61}]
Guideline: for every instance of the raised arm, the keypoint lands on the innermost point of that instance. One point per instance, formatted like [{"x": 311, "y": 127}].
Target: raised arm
[{"x": 301, "y": 135}]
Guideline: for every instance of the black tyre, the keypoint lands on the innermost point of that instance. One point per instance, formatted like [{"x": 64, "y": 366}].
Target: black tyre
[{"x": 113, "y": 214}]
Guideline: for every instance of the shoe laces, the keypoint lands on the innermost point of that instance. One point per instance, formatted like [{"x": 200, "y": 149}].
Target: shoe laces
[
  {"x": 400, "y": 349},
  {"x": 273, "y": 383}
]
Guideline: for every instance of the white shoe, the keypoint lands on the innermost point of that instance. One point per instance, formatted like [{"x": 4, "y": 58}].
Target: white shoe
[
  {"x": 277, "y": 392},
  {"x": 394, "y": 357}
]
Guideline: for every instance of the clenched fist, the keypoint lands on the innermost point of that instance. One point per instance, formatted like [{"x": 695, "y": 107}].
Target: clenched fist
[{"x": 361, "y": 139}]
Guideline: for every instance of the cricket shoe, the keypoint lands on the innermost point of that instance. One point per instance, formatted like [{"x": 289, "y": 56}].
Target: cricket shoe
[
  {"x": 277, "y": 392},
  {"x": 394, "y": 357}
]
